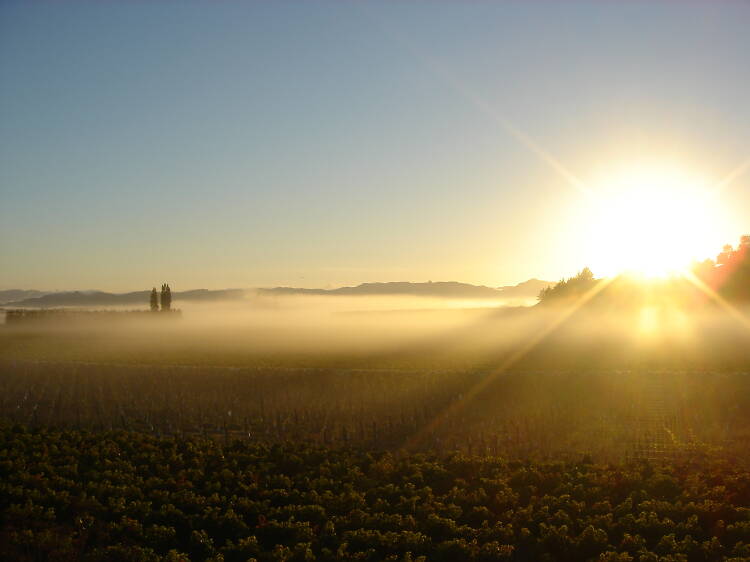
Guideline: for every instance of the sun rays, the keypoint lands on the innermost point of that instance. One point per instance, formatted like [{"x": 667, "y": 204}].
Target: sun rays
[
  {"x": 662, "y": 312},
  {"x": 718, "y": 299},
  {"x": 506, "y": 364}
]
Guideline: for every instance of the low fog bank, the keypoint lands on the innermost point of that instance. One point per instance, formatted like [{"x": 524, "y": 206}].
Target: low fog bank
[
  {"x": 232, "y": 332},
  {"x": 397, "y": 332},
  {"x": 280, "y": 321}
]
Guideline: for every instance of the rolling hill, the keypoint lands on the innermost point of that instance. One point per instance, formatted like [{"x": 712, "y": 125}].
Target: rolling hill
[{"x": 439, "y": 289}]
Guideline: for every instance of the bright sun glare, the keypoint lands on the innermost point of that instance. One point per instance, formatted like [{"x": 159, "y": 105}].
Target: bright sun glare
[{"x": 652, "y": 222}]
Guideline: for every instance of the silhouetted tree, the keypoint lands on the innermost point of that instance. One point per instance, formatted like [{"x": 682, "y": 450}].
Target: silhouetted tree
[
  {"x": 573, "y": 287},
  {"x": 733, "y": 277},
  {"x": 166, "y": 297},
  {"x": 154, "y": 300},
  {"x": 726, "y": 255},
  {"x": 585, "y": 275}
]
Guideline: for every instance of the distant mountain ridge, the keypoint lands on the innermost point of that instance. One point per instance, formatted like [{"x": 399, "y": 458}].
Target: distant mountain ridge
[
  {"x": 20, "y": 294},
  {"x": 438, "y": 289},
  {"x": 135, "y": 298}
]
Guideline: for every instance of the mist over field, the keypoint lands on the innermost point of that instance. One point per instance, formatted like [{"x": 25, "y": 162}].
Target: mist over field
[{"x": 403, "y": 332}]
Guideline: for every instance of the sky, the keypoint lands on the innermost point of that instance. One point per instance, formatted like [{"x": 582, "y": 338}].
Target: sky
[{"x": 320, "y": 144}]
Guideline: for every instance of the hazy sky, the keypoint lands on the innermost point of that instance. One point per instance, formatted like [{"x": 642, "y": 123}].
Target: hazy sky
[{"x": 242, "y": 144}]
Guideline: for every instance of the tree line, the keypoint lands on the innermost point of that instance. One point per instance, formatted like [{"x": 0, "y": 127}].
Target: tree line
[
  {"x": 728, "y": 275},
  {"x": 164, "y": 299}
]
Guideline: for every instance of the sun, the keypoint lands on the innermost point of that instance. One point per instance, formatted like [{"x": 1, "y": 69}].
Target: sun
[{"x": 651, "y": 221}]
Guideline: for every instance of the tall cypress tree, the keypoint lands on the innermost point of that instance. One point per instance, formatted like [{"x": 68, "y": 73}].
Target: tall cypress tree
[
  {"x": 166, "y": 297},
  {"x": 154, "y": 300}
]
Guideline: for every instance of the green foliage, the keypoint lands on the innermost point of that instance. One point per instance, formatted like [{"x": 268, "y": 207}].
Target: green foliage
[{"x": 130, "y": 496}]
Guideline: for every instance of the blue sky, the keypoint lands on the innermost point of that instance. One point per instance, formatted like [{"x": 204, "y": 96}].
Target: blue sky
[{"x": 327, "y": 143}]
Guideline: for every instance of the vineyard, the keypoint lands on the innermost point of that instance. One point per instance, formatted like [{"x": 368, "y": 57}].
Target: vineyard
[
  {"x": 323, "y": 458},
  {"x": 608, "y": 416},
  {"x": 123, "y": 495}
]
